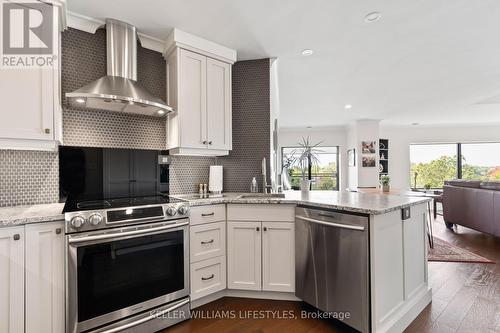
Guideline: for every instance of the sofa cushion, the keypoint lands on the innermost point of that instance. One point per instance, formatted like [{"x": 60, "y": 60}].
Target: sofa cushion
[
  {"x": 464, "y": 183},
  {"x": 490, "y": 186}
]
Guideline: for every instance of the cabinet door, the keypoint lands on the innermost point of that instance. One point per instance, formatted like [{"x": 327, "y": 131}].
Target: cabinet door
[
  {"x": 12, "y": 280},
  {"x": 193, "y": 99},
  {"x": 45, "y": 277},
  {"x": 278, "y": 256},
  {"x": 218, "y": 104},
  {"x": 244, "y": 255},
  {"x": 27, "y": 97}
]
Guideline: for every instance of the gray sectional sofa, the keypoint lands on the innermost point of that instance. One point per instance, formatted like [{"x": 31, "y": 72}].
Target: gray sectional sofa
[{"x": 472, "y": 204}]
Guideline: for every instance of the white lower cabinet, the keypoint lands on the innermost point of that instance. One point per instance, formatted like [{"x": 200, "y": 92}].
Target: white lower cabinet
[
  {"x": 261, "y": 256},
  {"x": 32, "y": 278},
  {"x": 44, "y": 271},
  {"x": 278, "y": 256},
  {"x": 12, "y": 280},
  {"x": 207, "y": 277},
  {"x": 244, "y": 255},
  {"x": 207, "y": 248}
]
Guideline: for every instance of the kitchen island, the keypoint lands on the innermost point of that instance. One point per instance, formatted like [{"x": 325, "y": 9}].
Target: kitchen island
[{"x": 395, "y": 252}]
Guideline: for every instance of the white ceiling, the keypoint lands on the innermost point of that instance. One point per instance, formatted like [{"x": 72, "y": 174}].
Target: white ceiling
[{"x": 424, "y": 61}]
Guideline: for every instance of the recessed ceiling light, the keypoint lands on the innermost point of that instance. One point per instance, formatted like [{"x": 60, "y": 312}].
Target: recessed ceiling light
[
  {"x": 80, "y": 100},
  {"x": 348, "y": 106},
  {"x": 161, "y": 112},
  {"x": 307, "y": 52},
  {"x": 372, "y": 17}
]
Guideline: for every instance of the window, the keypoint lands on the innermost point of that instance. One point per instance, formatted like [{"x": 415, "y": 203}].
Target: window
[
  {"x": 323, "y": 176},
  {"x": 432, "y": 164},
  {"x": 481, "y": 161}
]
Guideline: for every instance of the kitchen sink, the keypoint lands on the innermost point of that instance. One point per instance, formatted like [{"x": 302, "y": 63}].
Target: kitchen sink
[{"x": 261, "y": 196}]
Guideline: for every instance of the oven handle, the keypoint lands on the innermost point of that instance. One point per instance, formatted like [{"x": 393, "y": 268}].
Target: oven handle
[
  {"x": 124, "y": 233},
  {"x": 148, "y": 318}
]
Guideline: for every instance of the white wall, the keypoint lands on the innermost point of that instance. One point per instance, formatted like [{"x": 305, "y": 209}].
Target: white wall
[
  {"x": 400, "y": 138},
  {"x": 334, "y": 136}
]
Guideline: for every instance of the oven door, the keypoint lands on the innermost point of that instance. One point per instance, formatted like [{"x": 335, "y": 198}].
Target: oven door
[{"x": 117, "y": 273}]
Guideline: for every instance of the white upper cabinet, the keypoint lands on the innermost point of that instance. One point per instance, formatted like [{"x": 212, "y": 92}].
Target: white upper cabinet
[
  {"x": 30, "y": 116},
  {"x": 218, "y": 105},
  {"x": 199, "y": 88}
]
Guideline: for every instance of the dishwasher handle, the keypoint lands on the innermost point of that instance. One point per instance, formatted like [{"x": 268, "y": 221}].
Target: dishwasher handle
[{"x": 331, "y": 224}]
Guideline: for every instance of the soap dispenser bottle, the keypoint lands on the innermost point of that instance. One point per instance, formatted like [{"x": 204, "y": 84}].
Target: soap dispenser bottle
[{"x": 253, "y": 187}]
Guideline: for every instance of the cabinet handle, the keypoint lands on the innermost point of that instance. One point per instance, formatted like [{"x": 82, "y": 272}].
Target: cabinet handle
[
  {"x": 208, "y": 214},
  {"x": 265, "y": 228},
  {"x": 209, "y": 142},
  {"x": 47, "y": 131},
  {"x": 58, "y": 231},
  {"x": 207, "y": 242},
  {"x": 207, "y": 278},
  {"x": 258, "y": 229},
  {"x": 204, "y": 142},
  {"x": 16, "y": 237}
]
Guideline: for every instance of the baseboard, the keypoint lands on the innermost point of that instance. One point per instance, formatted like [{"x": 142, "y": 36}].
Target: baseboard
[
  {"x": 282, "y": 296},
  {"x": 273, "y": 295}
]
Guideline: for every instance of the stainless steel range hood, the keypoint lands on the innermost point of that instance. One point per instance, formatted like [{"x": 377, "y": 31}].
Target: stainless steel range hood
[{"x": 119, "y": 90}]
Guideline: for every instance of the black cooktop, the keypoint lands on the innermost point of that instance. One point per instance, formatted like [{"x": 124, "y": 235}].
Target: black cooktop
[{"x": 76, "y": 205}]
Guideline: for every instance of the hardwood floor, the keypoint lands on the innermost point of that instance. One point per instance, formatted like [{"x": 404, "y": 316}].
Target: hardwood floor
[{"x": 466, "y": 298}]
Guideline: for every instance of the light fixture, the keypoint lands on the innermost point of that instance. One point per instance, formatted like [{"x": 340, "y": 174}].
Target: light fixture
[
  {"x": 348, "y": 106},
  {"x": 129, "y": 211},
  {"x": 372, "y": 17},
  {"x": 80, "y": 100},
  {"x": 307, "y": 52},
  {"x": 160, "y": 112}
]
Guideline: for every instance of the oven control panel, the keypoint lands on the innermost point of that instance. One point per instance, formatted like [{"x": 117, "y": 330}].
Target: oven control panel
[{"x": 108, "y": 218}]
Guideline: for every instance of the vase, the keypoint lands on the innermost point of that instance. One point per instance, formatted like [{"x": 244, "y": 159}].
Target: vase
[
  {"x": 305, "y": 185},
  {"x": 386, "y": 188}
]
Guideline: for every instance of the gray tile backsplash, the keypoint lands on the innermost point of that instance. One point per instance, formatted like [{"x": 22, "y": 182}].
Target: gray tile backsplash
[
  {"x": 32, "y": 177},
  {"x": 84, "y": 60},
  {"x": 28, "y": 177}
]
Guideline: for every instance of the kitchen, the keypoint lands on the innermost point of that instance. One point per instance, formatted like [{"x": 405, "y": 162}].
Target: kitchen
[{"x": 103, "y": 226}]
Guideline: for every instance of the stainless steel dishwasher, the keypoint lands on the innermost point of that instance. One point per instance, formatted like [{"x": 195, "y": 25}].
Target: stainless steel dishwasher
[{"x": 332, "y": 264}]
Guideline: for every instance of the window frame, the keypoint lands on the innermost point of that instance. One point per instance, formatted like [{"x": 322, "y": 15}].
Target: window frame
[
  {"x": 309, "y": 171},
  {"x": 458, "y": 145}
]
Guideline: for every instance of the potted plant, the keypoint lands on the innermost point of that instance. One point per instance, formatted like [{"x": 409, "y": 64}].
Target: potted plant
[
  {"x": 385, "y": 180},
  {"x": 427, "y": 186},
  {"x": 307, "y": 157}
]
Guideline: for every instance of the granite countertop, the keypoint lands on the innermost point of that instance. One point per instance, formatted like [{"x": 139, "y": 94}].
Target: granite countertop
[
  {"x": 366, "y": 203},
  {"x": 347, "y": 201},
  {"x": 19, "y": 215}
]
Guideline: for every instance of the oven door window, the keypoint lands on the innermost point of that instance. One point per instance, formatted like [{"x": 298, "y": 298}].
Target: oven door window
[{"x": 118, "y": 274}]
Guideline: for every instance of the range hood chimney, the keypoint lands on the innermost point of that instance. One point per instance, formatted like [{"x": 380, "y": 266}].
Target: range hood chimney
[{"x": 119, "y": 90}]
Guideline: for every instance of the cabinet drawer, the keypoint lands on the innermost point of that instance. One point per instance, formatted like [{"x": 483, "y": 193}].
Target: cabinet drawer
[
  {"x": 207, "y": 277},
  {"x": 206, "y": 214},
  {"x": 261, "y": 212},
  {"x": 207, "y": 241}
]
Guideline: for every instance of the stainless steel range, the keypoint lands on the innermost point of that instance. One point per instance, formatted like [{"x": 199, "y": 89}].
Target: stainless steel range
[{"x": 127, "y": 264}]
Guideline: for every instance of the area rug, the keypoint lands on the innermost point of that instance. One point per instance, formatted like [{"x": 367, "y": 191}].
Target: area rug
[{"x": 447, "y": 252}]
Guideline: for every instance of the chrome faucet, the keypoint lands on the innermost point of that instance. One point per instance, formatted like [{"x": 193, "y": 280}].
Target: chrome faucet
[{"x": 265, "y": 187}]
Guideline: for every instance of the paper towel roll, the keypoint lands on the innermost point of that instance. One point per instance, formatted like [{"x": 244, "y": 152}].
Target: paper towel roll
[{"x": 215, "y": 181}]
